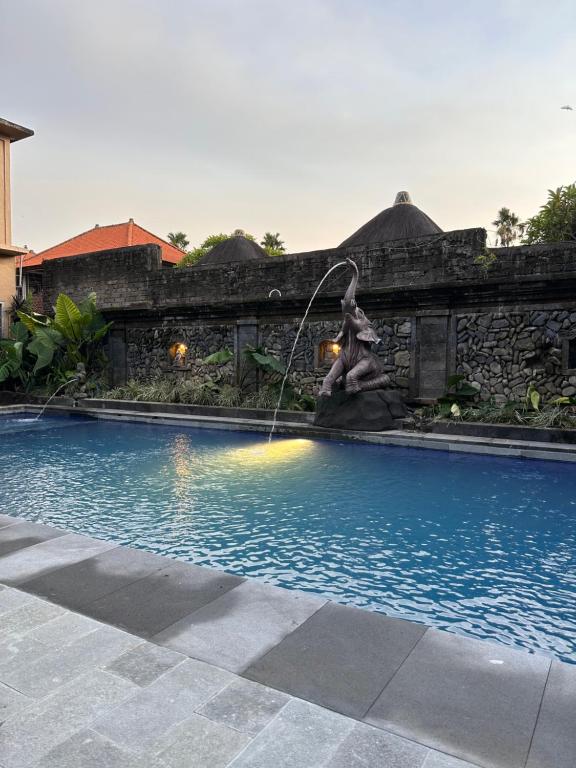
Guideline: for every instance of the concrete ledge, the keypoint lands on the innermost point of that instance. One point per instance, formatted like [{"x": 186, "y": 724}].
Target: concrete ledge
[{"x": 504, "y": 431}]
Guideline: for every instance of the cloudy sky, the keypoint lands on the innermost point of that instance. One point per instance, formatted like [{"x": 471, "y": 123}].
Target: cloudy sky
[{"x": 298, "y": 116}]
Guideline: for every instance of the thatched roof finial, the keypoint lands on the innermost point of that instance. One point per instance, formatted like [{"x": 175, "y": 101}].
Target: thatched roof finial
[{"x": 403, "y": 197}]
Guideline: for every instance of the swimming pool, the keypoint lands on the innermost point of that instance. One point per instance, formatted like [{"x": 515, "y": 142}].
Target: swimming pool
[{"x": 479, "y": 545}]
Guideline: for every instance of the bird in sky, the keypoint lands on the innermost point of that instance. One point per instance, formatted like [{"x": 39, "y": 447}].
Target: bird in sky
[{"x": 567, "y": 106}]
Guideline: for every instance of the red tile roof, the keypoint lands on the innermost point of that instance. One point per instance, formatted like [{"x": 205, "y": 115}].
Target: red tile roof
[{"x": 103, "y": 239}]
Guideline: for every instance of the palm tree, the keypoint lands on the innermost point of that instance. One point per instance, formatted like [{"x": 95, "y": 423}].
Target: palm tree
[
  {"x": 508, "y": 226},
  {"x": 272, "y": 242},
  {"x": 179, "y": 240}
]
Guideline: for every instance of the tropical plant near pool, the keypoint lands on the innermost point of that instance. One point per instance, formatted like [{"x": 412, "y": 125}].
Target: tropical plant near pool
[
  {"x": 72, "y": 336},
  {"x": 14, "y": 363},
  {"x": 46, "y": 350}
]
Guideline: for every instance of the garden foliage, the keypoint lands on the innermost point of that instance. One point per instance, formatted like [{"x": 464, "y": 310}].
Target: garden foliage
[
  {"x": 257, "y": 367},
  {"x": 44, "y": 350}
]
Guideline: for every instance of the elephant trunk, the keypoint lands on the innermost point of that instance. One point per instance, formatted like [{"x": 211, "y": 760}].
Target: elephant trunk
[{"x": 349, "y": 300}]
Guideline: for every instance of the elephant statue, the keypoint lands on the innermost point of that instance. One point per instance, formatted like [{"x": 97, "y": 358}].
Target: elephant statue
[{"x": 356, "y": 366}]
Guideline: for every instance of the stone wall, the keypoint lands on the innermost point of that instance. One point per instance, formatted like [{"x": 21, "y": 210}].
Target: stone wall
[
  {"x": 148, "y": 350},
  {"x": 501, "y": 353},
  {"x": 133, "y": 277},
  {"x": 441, "y": 305}
]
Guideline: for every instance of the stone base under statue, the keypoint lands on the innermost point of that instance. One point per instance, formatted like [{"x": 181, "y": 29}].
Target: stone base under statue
[{"x": 372, "y": 411}]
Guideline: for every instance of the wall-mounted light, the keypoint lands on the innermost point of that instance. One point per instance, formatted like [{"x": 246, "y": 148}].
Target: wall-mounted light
[
  {"x": 178, "y": 352},
  {"x": 328, "y": 351}
]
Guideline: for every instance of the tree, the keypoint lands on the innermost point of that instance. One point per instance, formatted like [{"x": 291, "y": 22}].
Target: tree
[
  {"x": 272, "y": 244},
  {"x": 508, "y": 226},
  {"x": 179, "y": 240},
  {"x": 556, "y": 221}
]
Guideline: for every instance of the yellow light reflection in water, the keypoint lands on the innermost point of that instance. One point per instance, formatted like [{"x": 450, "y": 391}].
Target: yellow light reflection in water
[{"x": 278, "y": 452}]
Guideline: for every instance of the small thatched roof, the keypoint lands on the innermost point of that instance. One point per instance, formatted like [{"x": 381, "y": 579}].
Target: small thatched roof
[
  {"x": 400, "y": 222},
  {"x": 236, "y": 248}
]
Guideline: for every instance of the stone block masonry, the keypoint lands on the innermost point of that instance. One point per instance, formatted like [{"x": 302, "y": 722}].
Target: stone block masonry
[
  {"x": 441, "y": 305},
  {"x": 502, "y": 353}
]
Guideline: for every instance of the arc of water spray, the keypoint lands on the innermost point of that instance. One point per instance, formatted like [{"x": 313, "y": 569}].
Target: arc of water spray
[
  {"x": 47, "y": 403},
  {"x": 320, "y": 284}
]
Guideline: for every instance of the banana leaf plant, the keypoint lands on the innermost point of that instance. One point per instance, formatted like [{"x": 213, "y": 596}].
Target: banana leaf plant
[
  {"x": 45, "y": 350},
  {"x": 72, "y": 336}
]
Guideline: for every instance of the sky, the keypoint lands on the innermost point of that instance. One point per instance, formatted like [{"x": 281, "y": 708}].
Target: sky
[{"x": 303, "y": 117}]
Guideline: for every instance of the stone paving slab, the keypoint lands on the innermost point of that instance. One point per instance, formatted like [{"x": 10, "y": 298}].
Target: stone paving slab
[
  {"x": 145, "y": 663},
  {"x": 33, "y": 561},
  {"x": 38, "y": 679},
  {"x": 143, "y": 719},
  {"x": 301, "y": 735},
  {"x": 10, "y": 520},
  {"x": 64, "y": 629},
  {"x": 88, "y": 749},
  {"x": 18, "y": 653},
  {"x": 20, "y": 649},
  {"x": 441, "y": 760},
  {"x": 10, "y": 599},
  {"x": 366, "y": 746},
  {"x": 11, "y": 701},
  {"x": 341, "y": 658},
  {"x": 78, "y": 586},
  {"x": 200, "y": 743},
  {"x": 149, "y": 605},
  {"x": 476, "y": 700},
  {"x": 235, "y": 630},
  {"x": 28, "y": 616},
  {"x": 554, "y": 742},
  {"x": 27, "y": 736},
  {"x": 245, "y": 706},
  {"x": 24, "y": 534}
]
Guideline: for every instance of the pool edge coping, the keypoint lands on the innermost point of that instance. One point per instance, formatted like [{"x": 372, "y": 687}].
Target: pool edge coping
[{"x": 528, "y": 449}]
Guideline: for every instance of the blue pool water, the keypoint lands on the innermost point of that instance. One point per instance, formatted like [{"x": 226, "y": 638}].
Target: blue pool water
[{"x": 479, "y": 545}]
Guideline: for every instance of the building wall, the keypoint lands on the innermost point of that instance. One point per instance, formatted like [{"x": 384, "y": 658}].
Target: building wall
[
  {"x": 5, "y": 209},
  {"x": 7, "y": 277},
  {"x": 440, "y": 304},
  {"x": 7, "y": 291}
]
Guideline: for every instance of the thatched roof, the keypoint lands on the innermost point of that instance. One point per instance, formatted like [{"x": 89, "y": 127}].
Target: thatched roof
[
  {"x": 236, "y": 248},
  {"x": 400, "y": 222}
]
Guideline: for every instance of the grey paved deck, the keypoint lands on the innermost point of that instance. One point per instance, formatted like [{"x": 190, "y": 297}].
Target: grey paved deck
[{"x": 215, "y": 670}]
